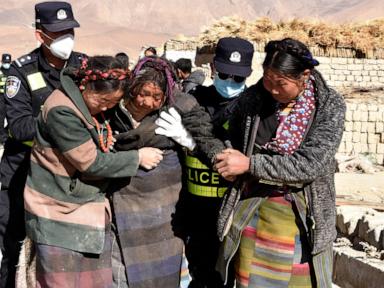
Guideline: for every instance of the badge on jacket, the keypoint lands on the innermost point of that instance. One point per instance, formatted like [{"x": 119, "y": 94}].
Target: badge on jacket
[
  {"x": 12, "y": 86},
  {"x": 36, "y": 81}
]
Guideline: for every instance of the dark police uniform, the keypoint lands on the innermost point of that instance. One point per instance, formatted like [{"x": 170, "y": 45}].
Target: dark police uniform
[
  {"x": 30, "y": 80},
  {"x": 5, "y": 59},
  {"x": 205, "y": 190},
  {"x": 233, "y": 56},
  {"x": 3, "y": 133}
]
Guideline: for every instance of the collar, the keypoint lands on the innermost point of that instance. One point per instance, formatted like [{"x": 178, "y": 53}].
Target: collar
[
  {"x": 73, "y": 92},
  {"x": 125, "y": 111},
  {"x": 46, "y": 67}
]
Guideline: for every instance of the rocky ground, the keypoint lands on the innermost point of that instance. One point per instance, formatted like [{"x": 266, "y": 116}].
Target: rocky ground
[{"x": 359, "y": 248}]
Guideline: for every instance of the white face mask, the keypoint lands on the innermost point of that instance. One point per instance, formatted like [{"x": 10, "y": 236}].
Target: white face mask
[
  {"x": 62, "y": 46},
  {"x": 6, "y": 65}
]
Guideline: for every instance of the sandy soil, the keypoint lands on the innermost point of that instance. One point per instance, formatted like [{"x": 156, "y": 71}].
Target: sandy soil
[{"x": 361, "y": 187}]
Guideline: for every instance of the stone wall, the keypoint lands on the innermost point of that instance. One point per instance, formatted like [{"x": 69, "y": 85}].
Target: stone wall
[
  {"x": 342, "y": 68},
  {"x": 364, "y": 128},
  {"x": 341, "y": 72},
  {"x": 352, "y": 72}
]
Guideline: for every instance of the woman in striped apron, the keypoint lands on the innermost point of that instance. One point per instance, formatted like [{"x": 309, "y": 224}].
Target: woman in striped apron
[{"x": 288, "y": 127}]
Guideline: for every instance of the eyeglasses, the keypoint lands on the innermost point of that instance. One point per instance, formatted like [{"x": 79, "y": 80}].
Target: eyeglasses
[{"x": 235, "y": 78}]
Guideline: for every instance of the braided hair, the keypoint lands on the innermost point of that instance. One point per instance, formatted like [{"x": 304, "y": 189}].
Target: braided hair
[
  {"x": 290, "y": 57},
  {"x": 156, "y": 70},
  {"x": 103, "y": 74}
]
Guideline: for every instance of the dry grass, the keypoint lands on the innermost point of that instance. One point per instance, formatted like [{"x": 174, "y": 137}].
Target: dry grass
[{"x": 360, "y": 36}]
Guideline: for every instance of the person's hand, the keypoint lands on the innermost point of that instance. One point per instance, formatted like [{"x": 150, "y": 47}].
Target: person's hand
[
  {"x": 170, "y": 125},
  {"x": 150, "y": 157},
  {"x": 231, "y": 163}
]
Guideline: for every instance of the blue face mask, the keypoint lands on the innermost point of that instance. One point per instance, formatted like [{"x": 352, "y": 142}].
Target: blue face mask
[{"x": 228, "y": 88}]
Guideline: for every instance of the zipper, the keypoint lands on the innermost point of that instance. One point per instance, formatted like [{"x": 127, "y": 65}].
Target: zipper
[
  {"x": 230, "y": 258},
  {"x": 303, "y": 220},
  {"x": 310, "y": 216}
]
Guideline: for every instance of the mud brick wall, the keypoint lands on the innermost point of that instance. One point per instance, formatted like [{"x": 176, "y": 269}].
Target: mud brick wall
[
  {"x": 342, "y": 72},
  {"x": 341, "y": 68},
  {"x": 351, "y": 72},
  {"x": 364, "y": 129}
]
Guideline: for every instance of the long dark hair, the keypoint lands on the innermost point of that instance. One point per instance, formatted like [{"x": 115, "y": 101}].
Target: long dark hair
[
  {"x": 156, "y": 70},
  {"x": 102, "y": 74},
  {"x": 289, "y": 57}
]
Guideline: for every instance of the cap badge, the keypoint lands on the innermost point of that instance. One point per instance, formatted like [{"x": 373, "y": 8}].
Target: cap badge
[
  {"x": 61, "y": 14},
  {"x": 235, "y": 57}
]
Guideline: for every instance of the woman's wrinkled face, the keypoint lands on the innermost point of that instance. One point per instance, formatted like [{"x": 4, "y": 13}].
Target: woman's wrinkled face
[
  {"x": 150, "y": 98},
  {"x": 99, "y": 102},
  {"x": 283, "y": 89}
]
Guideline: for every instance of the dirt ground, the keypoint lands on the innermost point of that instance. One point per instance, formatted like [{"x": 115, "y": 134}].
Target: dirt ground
[{"x": 360, "y": 187}]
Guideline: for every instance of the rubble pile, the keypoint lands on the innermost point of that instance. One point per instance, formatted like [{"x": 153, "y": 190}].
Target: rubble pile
[{"x": 359, "y": 249}]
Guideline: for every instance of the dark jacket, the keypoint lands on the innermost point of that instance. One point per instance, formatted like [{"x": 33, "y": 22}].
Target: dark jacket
[
  {"x": 30, "y": 80},
  {"x": 196, "y": 78},
  {"x": 194, "y": 117},
  {"x": 144, "y": 205},
  {"x": 3, "y": 131}
]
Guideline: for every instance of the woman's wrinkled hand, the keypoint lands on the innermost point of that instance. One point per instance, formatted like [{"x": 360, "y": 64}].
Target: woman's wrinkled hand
[
  {"x": 150, "y": 157},
  {"x": 231, "y": 163}
]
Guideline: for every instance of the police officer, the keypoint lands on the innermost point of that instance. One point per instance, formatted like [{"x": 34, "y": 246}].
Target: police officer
[
  {"x": 5, "y": 64},
  {"x": 30, "y": 80},
  {"x": 232, "y": 64}
]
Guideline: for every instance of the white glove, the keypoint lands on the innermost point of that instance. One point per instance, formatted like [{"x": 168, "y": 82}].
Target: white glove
[{"x": 170, "y": 125}]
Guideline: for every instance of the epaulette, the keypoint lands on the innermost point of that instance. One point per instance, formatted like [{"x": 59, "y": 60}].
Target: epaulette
[
  {"x": 80, "y": 56},
  {"x": 26, "y": 59}
]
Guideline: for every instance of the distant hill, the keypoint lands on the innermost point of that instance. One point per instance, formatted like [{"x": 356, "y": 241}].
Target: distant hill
[{"x": 111, "y": 26}]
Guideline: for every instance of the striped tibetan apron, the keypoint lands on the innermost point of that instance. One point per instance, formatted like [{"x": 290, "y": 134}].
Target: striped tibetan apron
[{"x": 273, "y": 250}]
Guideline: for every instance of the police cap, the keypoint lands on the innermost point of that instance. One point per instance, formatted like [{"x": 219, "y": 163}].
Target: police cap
[
  {"x": 6, "y": 58},
  {"x": 55, "y": 16},
  {"x": 233, "y": 56}
]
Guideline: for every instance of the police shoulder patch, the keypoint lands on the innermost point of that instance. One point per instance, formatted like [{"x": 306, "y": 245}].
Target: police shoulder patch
[
  {"x": 12, "y": 86},
  {"x": 25, "y": 59}
]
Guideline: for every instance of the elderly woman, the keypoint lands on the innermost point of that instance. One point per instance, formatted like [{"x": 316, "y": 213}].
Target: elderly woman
[
  {"x": 67, "y": 214},
  {"x": 288, "y": 127},
  {"x": 144, "y": 204}
]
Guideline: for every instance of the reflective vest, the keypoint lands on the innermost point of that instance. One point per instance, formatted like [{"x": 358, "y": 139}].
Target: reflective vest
[
  {"x": 202, "y": 181},
  {"x": 3, "y": 78}
]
